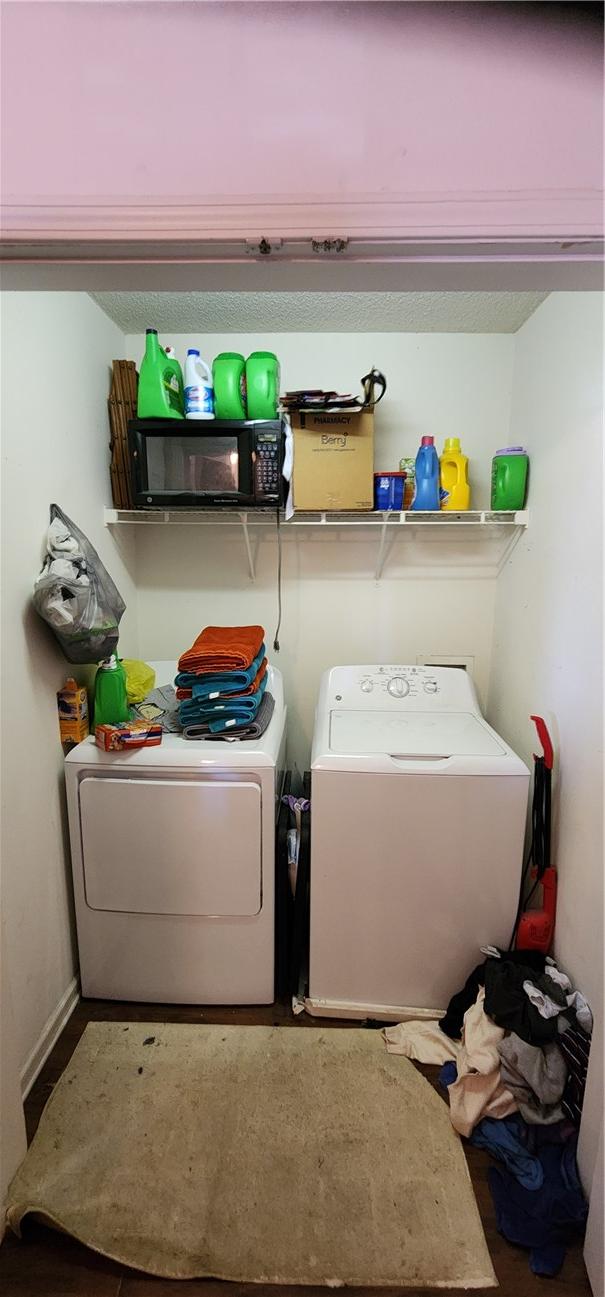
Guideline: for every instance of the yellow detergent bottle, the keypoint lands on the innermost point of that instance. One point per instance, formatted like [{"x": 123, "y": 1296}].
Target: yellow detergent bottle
[{"x": 455, "y": 489}]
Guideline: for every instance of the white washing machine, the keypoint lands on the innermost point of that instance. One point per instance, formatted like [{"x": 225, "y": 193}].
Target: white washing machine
[
  {"x": 173, "y": 857},
  {"x": 418, "y": 812}
]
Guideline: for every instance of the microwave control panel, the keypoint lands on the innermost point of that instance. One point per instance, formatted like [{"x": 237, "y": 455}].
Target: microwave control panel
[{"x": 267, "y": 466}]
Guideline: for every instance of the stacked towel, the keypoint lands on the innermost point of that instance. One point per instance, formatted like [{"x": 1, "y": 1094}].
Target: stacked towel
[
  {"x": 249, "y": 730},
  {"x": 225, "y": 683},
  {"x": 223, "y": 648},
  {"x": 222, "y": 711},
  {"x": 221, "y": 681}
]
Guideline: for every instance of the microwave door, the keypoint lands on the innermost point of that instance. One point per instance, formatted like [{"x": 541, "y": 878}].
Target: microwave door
[{"x": 199, "y": 466}]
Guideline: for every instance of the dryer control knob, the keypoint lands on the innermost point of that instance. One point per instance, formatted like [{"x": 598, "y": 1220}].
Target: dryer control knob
[
  {"x": 367, "y": 686},
  {"x": 430, "y": 687},
  {"x": 398, "y": 686}
]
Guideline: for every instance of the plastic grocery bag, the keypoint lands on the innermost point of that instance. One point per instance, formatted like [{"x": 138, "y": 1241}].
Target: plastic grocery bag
[
  {"x": 76, "y": 595},
  {"x": 140, "y": 679}
]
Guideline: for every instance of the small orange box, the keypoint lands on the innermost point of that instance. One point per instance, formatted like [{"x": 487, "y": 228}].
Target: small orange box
[
  {"x": 72, "y": 704},
  {"x": 128, "y": 734}
]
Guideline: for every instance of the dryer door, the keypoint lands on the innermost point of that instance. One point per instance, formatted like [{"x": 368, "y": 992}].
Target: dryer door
[{"x": 153, "y": 846}]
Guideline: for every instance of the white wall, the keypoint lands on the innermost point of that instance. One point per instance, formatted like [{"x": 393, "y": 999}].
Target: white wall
[
  {"x": 431, "y": 600},
  {"x": 56, "y": 355},
  {"x": 547, "y": 655}
]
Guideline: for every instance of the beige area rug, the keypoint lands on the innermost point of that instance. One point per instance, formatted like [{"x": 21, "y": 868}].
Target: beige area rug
[{"x": 257, "y": 1154}]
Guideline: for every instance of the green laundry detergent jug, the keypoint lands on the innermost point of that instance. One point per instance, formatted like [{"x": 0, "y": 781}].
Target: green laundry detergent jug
[
  {"x": 262, "y": 385},
  {"x": 509, "y": 478},
  {"x": 111, "y": 701},
  {"x": 229, "y": 383},
  {"x": 160, "y": 383}
]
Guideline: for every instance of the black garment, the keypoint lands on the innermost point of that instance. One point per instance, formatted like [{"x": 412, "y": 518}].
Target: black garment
[
  {"x": 575, "y": 1048},
  {"x": 451, "y": 1024},
  {"x": 509, "y": 1006}
]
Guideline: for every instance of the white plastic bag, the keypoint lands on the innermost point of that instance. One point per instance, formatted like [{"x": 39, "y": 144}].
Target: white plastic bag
[{"x": 75, "y": 594}]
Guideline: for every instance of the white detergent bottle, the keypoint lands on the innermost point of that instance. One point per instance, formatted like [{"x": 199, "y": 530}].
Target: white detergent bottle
[{"x": 199, "y": 396}]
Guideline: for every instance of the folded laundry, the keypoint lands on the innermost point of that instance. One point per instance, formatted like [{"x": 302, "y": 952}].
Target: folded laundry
[
  {"x": 224, "y": 683},
  {"x": 237, "y": 709},
  {"x": 247, "y": 731},
  {"x": 547, "y": 1220},
  {"x": 451, "y": 1023},
  {"x": 223, "y": 648},
  {"x": 536, "y": 1076},
  {"x": 160, "y": 705}
]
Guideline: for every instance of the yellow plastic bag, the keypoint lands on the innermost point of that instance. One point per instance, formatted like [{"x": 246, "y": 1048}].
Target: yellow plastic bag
[{"x": 140, "y": 679}]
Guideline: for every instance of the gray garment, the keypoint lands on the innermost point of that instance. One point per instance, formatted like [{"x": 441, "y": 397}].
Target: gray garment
[
  {"x": 161, "y": 705},
  {"x": 536, "y": 1076},
  {"x": 249, "y": 729}
]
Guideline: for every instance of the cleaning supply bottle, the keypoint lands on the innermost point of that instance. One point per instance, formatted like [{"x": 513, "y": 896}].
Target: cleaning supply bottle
[
  {"x": 229, "y": 383},
  {"x": 426, "y": 477},
  {"x": 262, "y": 385},
  {"x": 455, "y": 490},
  {"x": 509, "y": 478},
  {"x": 175, "y": 369},
  {"x": 111, "y": 702},
  {"x": 159, "y": 394},
  {"x": 199, "y": 397}
]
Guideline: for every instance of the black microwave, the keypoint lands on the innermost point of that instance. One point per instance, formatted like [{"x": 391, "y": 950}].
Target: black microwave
[{"x": 196, "y": 464}]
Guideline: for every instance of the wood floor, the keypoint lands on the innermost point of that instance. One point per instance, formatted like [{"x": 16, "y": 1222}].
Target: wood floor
[{"x": 48, "y": 1264}]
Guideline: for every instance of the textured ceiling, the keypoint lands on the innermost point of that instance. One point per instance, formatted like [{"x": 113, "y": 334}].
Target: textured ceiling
[{"x": 320, "y": 312}]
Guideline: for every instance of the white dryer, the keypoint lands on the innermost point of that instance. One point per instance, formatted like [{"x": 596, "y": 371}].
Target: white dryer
[
  {"x": 418, "y": 812},
  {"x": 173, "y": 857}
]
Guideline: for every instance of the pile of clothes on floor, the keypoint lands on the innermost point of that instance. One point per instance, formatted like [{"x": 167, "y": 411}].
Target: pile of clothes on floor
[
  {"x": 221, "y": 686},
  {"x": 513, "y": 1048}
]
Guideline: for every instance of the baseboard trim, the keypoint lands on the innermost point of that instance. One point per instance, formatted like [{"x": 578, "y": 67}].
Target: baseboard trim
[{"x": 49, "y": 1035}]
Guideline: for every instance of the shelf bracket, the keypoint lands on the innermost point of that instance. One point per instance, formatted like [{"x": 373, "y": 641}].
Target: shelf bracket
[
  {"x": 250, "y": 556},
  {"x": 384, "y": 548},
  {"x": 508, "y": 548}
]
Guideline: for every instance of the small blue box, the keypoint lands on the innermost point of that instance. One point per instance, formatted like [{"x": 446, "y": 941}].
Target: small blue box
[{"x": 388, "y": 490}]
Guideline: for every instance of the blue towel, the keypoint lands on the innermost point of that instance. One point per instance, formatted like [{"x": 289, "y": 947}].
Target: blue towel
[
  {"x": 222, "y": 713},
  {"x": 225, "y": 682}
]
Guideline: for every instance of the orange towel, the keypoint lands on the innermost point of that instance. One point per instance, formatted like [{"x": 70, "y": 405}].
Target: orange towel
[
  {"x": 223, "y": 648},
  {"x": 239, "y": 693}
]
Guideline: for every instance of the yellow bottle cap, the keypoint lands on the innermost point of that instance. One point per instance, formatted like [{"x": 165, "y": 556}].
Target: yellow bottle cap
[{"x": 452, "y": 444}]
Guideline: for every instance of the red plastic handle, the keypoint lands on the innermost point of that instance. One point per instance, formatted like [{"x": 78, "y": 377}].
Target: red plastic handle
[{"x": 545, "y": 740}]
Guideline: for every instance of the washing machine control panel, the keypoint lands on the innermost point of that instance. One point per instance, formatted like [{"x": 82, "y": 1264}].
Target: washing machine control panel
[{"x": 398, "y": 682}]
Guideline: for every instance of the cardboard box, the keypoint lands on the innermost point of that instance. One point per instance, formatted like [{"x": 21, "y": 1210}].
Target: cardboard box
[
  {"x": 128, "y": 734},
  {"x": 333, "y": 460},
  {"x": 72, "y": 704}
]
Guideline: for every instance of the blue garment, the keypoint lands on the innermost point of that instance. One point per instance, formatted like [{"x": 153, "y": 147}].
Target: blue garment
[
  {"x": 223, "y": 682},
  {"x": 448, "y": 1074},
  {"x": 224, "y": 713},
  {"x": 547, "y": 1220},
  {"x": 503, "y": 1138}
]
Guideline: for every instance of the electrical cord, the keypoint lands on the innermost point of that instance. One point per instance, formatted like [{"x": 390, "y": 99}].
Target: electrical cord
[{"x": 276, "y": 640}]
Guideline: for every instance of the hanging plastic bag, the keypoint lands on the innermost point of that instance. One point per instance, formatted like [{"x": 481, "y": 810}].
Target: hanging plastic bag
[{"x": 75, "y": 594}]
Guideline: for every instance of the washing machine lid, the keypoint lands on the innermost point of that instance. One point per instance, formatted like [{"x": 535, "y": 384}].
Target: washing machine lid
[{"x": 413, "y": 734}]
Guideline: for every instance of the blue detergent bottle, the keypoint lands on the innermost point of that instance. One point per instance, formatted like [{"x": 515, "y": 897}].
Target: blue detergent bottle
[{"x": 426, "y": 481}]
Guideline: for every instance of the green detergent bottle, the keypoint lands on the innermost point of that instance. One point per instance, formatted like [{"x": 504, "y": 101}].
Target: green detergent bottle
[
  {"x": 160, "y": 383},
  {"x": 111, "y": 700}
]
